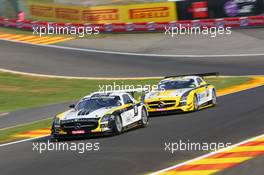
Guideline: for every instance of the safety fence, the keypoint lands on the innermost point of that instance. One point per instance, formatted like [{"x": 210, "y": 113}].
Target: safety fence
[{"x": 250, "y": 21}]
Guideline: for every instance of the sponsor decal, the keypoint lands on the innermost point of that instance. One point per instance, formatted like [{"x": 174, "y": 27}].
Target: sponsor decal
[
  {"x": 199, "y": 9},
  {"x": 243, "y": 22},
  {"x": 129, "y": 27},
  {"x": 108, "y": 27},
  {"x": 234, "y": 8},
  {"x": 66, "y": 13},
  {"x": 150, "y": 26},
  {"x": 99, "y": 15},
  {"x": 219, "y": 23},
  {"x": 41, "y": 11},
  {"x": 78, "y": 132},
  {"x": 231, "y": 8},
  {"x": 154, "y": 12},
  {"x": 196, "y": 23}
]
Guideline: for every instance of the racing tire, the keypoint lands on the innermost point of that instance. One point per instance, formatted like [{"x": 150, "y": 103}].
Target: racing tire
[
  {"x": 144, "y": 118},
  {"x": 195, "y": 103},
  {"x": 55, "y": 138},
  {"x": 118, "y": 126},
  {"x": 214, "y": 98}
]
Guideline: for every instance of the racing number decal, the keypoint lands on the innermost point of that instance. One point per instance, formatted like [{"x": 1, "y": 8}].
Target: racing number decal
[{"x": 204, "y": 94}]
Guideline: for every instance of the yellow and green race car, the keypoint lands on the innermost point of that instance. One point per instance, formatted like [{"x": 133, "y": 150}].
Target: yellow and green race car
[{"x": 182, "y": 93}]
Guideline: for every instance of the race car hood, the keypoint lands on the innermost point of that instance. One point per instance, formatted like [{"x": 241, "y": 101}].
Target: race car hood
[
  {"x": 75, "y": 114},
  {"x": 166, "y": 93}
]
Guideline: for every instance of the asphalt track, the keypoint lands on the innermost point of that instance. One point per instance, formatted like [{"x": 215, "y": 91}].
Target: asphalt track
[
  {"x": 237, "y": 117},
  {"x": 54, "y": 61},
  {"x": 32, "y": 114}
]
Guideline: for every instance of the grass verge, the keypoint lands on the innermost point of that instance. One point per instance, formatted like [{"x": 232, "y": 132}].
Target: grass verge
[
  {"x": 8, "y": 134},
  {"x": 20, "y": 92}
]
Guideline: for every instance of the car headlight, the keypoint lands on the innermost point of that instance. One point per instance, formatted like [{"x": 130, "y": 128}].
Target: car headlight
[
  {"x": 107, "y": 118},
  {"x": 56, "y": 121}
]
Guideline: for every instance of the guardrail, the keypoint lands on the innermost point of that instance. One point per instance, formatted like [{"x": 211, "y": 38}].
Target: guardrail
[{"x": 250, "y": 21}]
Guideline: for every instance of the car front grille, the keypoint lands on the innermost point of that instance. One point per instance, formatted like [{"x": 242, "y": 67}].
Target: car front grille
[
  {"x": 161, "y": 104},
  {"x": 79, "y": 124}
]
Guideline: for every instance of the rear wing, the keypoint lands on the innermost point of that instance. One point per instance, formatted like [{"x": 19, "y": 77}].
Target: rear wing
[{"x": 198, "y": 74}]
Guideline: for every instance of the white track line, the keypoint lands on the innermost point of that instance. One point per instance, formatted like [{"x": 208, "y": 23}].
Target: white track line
[
  {"x": 102, "y": 78},
  {"x": 79, "y": 78},
  {"x": 3, "y": 114},
  {"x": 24, "y": 124},
  {"x": 136, "y": 54},
  {"x": 20, "y": 141},
  {"x": 207, "y": 155}
]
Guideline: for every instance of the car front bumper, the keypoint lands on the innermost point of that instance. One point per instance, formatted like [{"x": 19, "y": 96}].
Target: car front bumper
[{"x": 176, "y": 108}]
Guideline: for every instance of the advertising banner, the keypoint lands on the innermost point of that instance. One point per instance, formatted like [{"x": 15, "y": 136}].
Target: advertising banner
[
  {"x": 204, "y": 9},
  {"x": 236, "y": 8},
  {"x": 149, "y": 12},
  {"x": 193, "y": 9},
  {"x": 235, "y": 22}
]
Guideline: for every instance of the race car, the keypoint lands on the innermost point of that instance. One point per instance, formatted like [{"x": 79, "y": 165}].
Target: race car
[
  {"x": 181, "y": 93},
  {"x": 100, "y": 112}
]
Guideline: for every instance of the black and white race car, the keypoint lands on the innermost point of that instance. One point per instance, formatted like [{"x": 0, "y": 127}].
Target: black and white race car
[{"x": 111, "y": 112}]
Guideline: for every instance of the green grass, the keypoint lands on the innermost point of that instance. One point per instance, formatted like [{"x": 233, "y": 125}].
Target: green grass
[
  {"x": 20, "y": 92},
  {"x": 225, "y": 82},
  {"x": 7, "y": 135}
]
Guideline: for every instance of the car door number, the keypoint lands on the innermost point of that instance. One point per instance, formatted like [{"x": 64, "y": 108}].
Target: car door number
[{"x": 204, "y": 94}]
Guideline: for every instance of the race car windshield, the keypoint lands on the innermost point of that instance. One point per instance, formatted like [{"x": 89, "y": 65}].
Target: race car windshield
[
  {"x": 97, "y": 103},
  {"x": 179, "y": 84}
]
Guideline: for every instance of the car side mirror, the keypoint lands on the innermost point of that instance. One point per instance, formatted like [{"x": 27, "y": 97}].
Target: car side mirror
[
  {"x": 130, "y": 102},
  {"x": 72, "y": 106}
]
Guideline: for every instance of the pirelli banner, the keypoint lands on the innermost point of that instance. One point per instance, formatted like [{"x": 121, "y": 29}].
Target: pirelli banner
[{"x": 148, "y": 12}]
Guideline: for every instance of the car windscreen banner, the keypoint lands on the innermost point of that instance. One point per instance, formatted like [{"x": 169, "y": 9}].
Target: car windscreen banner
[{"x": 204, "y": 9}]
